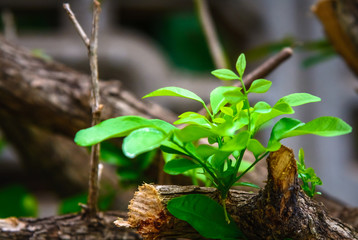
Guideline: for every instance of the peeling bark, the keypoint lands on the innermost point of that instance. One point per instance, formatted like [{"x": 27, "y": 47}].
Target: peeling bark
[{"x": 280, "y": 210}]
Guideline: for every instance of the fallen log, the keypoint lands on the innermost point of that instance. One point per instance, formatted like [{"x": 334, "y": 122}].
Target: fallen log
[
  {"x": 69, "y": 226},
  {"x": 280, "y": 210}
]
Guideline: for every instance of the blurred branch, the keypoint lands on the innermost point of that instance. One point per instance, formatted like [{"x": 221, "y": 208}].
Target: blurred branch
[
  {"x": 215, "y": 47},
  {"x": 9, "y": 24}
]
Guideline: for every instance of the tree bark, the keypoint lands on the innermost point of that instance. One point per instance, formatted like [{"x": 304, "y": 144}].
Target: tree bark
[
  {"x": 70, "y": 226},
  {"x": 280, "y": 210}
]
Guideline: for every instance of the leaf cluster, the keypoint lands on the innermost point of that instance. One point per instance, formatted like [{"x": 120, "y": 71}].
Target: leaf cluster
[{"x": 229, "y": 127}]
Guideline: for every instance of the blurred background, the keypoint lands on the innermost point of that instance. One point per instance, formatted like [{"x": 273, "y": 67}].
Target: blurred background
[{"x": 148, "y": 44}]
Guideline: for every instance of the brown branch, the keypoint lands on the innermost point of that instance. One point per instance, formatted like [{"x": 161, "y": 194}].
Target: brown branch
[
  {"x": 77, "y": 25},
  {"x": 92, "y": 45},
  {"x": 215, "y": 47},
  {"x": 96, "y": 112},
  {"x": 261, "y": 71}
]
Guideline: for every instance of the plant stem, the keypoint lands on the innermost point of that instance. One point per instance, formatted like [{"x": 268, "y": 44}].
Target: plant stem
[{"x": 251, "y": 166}]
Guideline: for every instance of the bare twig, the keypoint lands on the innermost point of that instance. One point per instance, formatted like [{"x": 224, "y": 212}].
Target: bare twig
[
  {"x": 78, "y": 27},
  {"x": 263, "y": 70},
  {"x": 9, "y": 24},
  {"x": 92, "y": 45},
  {"x": 214, "y": 45}
]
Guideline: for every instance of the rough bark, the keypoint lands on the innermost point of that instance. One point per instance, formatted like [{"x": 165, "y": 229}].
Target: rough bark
[
  {"x": 280, "y": 210},
  {"x": 70, "y": 226}
]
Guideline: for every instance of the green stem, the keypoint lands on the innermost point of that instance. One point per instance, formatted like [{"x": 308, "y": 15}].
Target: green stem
[
  {"x": 223, "y": 203},
  {"x": 251, "y": 166}
]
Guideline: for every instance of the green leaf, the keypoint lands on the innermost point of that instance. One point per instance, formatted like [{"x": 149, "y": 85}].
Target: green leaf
[
  {"x": 205, "y": 215},
  {"x": 245, "y": 165},
  {"x": 227, "y": 111},
  {"x": 262, "y": 107},
  {"x": 234, "y": 95},
  {"x": 193, "y": 132},
  {"x": 322, "y": 126},
  {"x": 142, "y": 140},
  {"x": 219, "y": 120},
  {"x": 205, "y": 151},
  {"x": 117, "y": 127},
  {"x": 238, "y": 142},
  {"x": 241, "y": 64},
  {"x": 178, "y": 166},
  {"x": 284, "y": 126},
  {"x": 175, "y": 92},
  {"x": 259, "y": 119},
  {"x": 297, "y": 99},
  {"x": 193, "y": 118},
  {"x": 260, "y": 86},
  {"x": 246, "y": 184},
  {"x": 255, "y": 147},
  {"x": 170, "y": 147},
  {"x": 217, "y": 97},
  {"x": 225, "y": 74}
]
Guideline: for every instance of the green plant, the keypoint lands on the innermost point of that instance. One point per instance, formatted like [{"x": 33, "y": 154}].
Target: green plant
[
  {"x": 307, "y": 175},
  {"x": 229, "y": 127}
]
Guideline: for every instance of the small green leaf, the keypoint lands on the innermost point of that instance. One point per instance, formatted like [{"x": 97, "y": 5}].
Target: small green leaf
[
  {"x": 245, "y": 165},
  {"x": 206, "y": 151},
  {"x": 178, "y": 166},
  {"x": 219, "y": 120},
  {"x": 193, "y": 118},
  {"x": 227, "y": 111},
  {"x": 175, "y": 92},
  {"x": 205, "y": 215},
  {"x": 238, "y": 142},
  {"x": 217, "y": 96},
  {"x": 225, "y": 74},
  {"x": 142, "y": 140},
  {"x": 246, "y": 184},
  {"x": 255, "y": 147},
  {"x": 260, "y": 86},
  {"x": 297, "y": 99},
  {"x": 322, "y": 126},
  {"x": 241, "y": 64},
  {"x": 262, "y": 107}
]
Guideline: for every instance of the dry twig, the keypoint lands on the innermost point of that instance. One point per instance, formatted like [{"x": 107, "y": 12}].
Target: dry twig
[{"x": 92, "y": 45}]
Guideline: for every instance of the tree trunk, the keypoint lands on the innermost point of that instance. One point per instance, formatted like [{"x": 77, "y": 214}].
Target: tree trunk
[{"x": 280, "y": 210}]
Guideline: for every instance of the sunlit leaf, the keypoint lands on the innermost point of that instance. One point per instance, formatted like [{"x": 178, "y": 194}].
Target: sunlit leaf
[
  {"x": 175, "y": 92},
  {"x": 142, "y": 140},
  {"x": 218, "y": 99},
  {"x": 260, "y": 86},
  {"x": 297, "y": 99},
  {"x": 225, "y": 74},
  {"x": 255, "y": 147},
  {"x": 238, "y": 142},
  {"x": 241, "y": 64}
]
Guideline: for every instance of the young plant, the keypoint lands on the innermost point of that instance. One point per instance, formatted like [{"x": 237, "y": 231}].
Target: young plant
[
  {"x": 229, "y": 127},
  {"x": 308, "y": 176}
]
